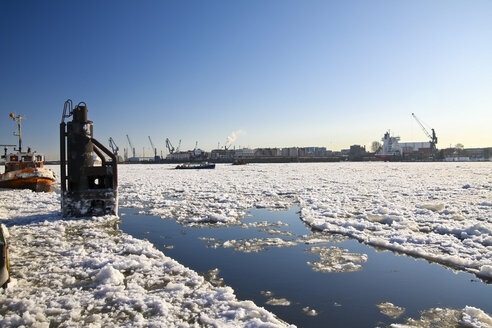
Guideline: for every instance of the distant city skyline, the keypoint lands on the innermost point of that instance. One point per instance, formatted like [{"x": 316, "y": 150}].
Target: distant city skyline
[{"x": 273, "y": 73}]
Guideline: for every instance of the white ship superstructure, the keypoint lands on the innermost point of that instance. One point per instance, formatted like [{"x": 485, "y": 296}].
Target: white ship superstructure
[
  {"x": 390, "y": 148},
  {"x": 393, "y": 149}
]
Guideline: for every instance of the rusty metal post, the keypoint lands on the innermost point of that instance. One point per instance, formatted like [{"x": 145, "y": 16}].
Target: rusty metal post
[{"x": 87, "y": 189}]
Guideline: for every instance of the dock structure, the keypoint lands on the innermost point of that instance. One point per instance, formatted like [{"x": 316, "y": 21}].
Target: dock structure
[{"x": 89, "y": 182}]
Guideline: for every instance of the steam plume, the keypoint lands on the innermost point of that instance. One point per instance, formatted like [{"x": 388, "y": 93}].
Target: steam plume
[{"x": 233, "y": 137}]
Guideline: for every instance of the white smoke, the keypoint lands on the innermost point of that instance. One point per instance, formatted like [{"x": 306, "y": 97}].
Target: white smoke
[{"x": 233, "y": 137}]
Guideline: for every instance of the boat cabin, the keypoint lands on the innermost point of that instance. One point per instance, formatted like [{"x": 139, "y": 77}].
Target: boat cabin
[{"x": 22, "y": 161}]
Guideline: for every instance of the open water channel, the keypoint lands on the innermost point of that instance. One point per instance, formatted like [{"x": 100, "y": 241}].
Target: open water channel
[{"x": 306, "y": 278}]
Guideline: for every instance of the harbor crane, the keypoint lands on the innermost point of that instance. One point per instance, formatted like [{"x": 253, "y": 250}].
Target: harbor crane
[
  {"x": 179, "y": 146},
  {"x": 156, "y": 158},
  {"x": 131, "y": 146},
  {"x": 432, "y": 136},
  {"x": 169, "y": 146},
  {"x": 113, "y": 146}
]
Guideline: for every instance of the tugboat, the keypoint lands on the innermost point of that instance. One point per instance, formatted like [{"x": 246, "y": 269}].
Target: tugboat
[
  {"x": 24, "y": 170},
  {"x": 239, "y": 161}
]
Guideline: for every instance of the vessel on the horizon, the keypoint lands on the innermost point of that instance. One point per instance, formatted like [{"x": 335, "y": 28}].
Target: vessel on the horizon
[
  {"x": 203, "y": 165},
  {"x": 393, "y": 149},
  {"x": 25, "y": 170},
  {"x": 239, "y": 161}
]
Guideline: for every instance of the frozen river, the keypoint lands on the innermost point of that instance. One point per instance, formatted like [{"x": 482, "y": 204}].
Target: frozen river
[
  {"x": 438, "y": 211},
  {"x": 283, "y": 277},
  {"x": 434, "y": 212},
  {"x": 249, "y": 228}
]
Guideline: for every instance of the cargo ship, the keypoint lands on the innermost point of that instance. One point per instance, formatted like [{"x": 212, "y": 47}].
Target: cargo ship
[
  {"x": 393, "y": 149},
  {"x": 25, "y": 170}
]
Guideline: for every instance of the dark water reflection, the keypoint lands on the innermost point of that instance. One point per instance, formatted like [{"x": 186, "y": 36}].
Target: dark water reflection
[{"x": 343, "y": 299}]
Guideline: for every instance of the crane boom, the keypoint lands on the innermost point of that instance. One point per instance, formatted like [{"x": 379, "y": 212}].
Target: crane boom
[
  {"x": 131, "y": 146},
  {"x": 432, "y": 137},
  {"x": 113, "y": 146},
  {"x": 155, "y": 149},
  {"x": 169, "y": 146}
]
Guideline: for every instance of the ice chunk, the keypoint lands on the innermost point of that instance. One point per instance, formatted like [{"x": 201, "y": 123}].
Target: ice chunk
[
  {"x": 335, "y": 259},
  {"x": 390, "y": 310},
  {"x": 485, "y": 271},
  {"x": 473, "y": 317},
  {"x": 444, "y": 318},
  {"x": 436, "y": 318},
  {"x": 109, "y": 275},
  {"x": 278, "y": 301},
  {"x": 310, "y": 312},
  {"x": 249, "y": 245}
]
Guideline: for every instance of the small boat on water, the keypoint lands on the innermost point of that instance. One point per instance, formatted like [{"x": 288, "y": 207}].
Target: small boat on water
[
  {"x": 203, "y": 165},
  {"x": 239, "y": 162},
  {"x": 25, "y": 170}
]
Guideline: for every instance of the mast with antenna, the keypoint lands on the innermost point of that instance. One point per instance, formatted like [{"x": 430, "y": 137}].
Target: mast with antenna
[{"x": 18, "y": 119}]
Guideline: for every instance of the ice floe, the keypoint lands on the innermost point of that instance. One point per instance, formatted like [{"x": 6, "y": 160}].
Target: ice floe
[
  {"x": 310, "y": 312},
  {"x": 473, "y": 317},
  {"x": 390, "y": 310},
  {"x": 248, "y": 245},
  {"x": 445, "y": 317},
  {"x": 278, "y": 301},
  {"x": 336, "y": 259}
]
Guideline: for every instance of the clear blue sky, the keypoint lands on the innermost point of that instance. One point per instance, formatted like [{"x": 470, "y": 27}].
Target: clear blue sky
[{"x": 285, "y": 73}]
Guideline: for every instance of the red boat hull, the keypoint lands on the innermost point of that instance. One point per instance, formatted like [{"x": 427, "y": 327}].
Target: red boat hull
[
  {"x": 35, "y": 179},
  {"x": 34, "y": 184}
]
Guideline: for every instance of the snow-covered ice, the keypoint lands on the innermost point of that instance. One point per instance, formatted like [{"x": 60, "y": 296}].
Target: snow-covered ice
[
  {"x": 249, "y": 245},
  {"x": 336, "y": 259},
  {"x": 87, "y": 273},
  {"x": 278, "y": 301},
  {"x": 275, "y": 301},
  {"x": 438, "y": 211},
  {"x": 390, "y": 310},
  {"x": 310, "y": 312},
  {"x": 445, "y": 317},
  {"x": 473, "y": 317}
]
